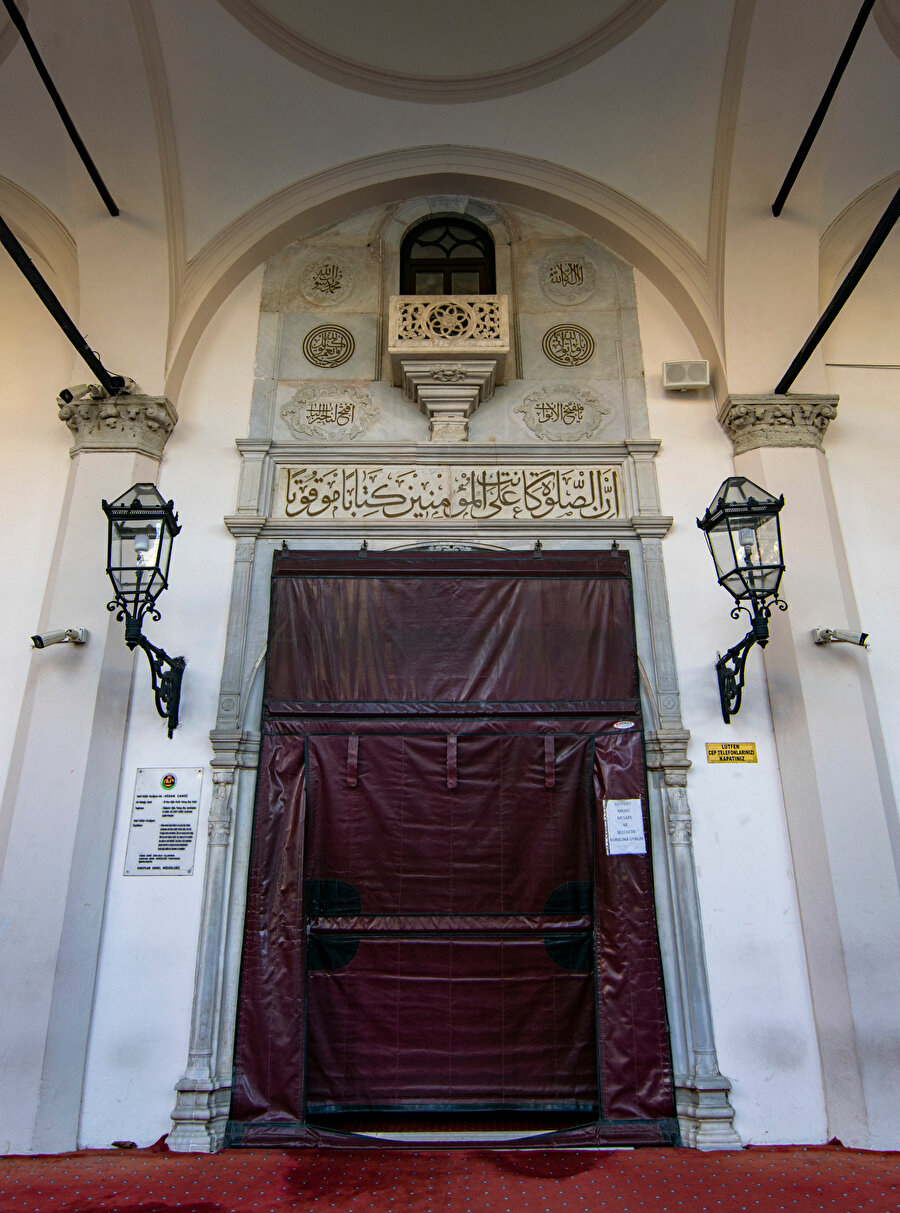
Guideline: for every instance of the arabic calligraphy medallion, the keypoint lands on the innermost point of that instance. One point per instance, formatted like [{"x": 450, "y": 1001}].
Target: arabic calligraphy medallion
[
  {"x": 568, "y": 345},
  {"x": 326, "y": 281},
  {"x": 330, "y": 412},
  {"x": 567, "y": 276},
  {"x": 328, "y": 345},
  {"x": 562, "y": 412}
]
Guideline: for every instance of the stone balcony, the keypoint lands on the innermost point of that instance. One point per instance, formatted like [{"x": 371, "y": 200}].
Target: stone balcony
[{"x": 448, "y": 353}]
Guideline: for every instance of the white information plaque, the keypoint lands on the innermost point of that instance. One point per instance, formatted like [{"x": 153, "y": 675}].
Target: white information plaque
[
  {"x": 625, "y": 828},
  {"x": 162, "y": 836}
]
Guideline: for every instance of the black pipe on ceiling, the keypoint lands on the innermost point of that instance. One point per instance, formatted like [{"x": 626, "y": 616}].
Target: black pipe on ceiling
[
  {"x": 819, "y": 116},
  {"x": 844, "y": 291},
  {"x": 19, "y": 22},
  {"x": 111, "y": 383}
]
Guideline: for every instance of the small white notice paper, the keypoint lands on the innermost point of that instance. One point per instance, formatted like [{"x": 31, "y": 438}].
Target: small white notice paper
[
  {"x": 162, "y": 836},
  {"x": 624, "y": 828}
]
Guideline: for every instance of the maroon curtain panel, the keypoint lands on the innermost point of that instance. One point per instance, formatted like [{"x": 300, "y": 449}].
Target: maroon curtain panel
[{"x": 433, "y": 920}]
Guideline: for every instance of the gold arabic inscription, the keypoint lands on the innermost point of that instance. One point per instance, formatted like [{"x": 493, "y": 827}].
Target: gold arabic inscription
[{"x": 444, "y": 493}]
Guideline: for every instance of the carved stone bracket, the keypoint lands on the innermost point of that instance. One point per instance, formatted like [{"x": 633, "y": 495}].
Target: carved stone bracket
[
  {"x": 770, "y": 420},
  {"x": 448, "y": 393},
  {"x": 120, "y": 423}
]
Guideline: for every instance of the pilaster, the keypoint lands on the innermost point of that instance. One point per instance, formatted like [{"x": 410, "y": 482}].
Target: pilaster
[
  {"x": 702, "y": 1093},
  {"x": 839, "y": 804},
  {"x": 60, "y": 802}
]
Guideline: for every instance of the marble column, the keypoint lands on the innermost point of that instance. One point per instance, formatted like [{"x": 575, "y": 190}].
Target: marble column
[
  {"x": 839, "y": 802},
  {"x": 58, "y": 811}
]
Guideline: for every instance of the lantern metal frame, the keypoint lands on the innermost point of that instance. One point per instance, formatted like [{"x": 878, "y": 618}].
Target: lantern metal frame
[
  {"x": 748, "y": 583},
  {"x": 143, "y": 511}
]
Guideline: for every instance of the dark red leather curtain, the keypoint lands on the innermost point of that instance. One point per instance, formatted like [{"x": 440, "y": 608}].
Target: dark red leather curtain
[{"x": 433, "y": 921}]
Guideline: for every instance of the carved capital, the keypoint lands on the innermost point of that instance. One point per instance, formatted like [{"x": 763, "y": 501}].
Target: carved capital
[
  {"x": 770, "y": 420},
  {"x": 219, "y": 824},
  {"x": 120, "y": 423}
]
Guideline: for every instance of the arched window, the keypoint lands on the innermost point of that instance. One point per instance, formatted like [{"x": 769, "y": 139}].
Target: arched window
[{"x": 447, "y": 256}]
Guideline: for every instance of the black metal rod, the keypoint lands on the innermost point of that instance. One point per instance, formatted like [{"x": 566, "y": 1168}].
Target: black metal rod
[
  {"x": 844, "y": 291},
  {"x": 19, "y": 22},
  {"x": 110, "y": 383},
  {"x": 819, "y": 116}
]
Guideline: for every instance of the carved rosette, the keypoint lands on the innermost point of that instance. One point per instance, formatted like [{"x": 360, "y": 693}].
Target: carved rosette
[
  {"x": 120, "y": 423},
  {"x": 756, "y": 421}
]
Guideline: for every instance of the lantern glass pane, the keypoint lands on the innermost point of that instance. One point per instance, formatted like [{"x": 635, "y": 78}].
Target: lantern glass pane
[
  {"x": 744, "y": 538},
  {"x": 140, "y": 546}
]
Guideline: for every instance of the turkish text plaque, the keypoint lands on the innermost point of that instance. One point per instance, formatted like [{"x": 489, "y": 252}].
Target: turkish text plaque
[
  {"x": 624, "y": 821},
  {"x": 443, "y": 493},
  {"x": 162, "y": 836},
  {"x": 731, "y": 751}
]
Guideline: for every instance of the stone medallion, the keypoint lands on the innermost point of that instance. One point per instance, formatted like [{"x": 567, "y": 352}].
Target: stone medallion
[
  {"x": 328, "y": 345},
  {"x": 568, "y": 276},
  {"x": 568, "y": 345},
  {"x": 564, "y": 412},
  {"x": 326, "y": 281},
  {"x": 330, "y": 412}
]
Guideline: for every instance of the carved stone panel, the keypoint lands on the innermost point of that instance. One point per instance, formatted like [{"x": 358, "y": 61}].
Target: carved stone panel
[
  {"x": 329, "y": 412},
  {"x": 562, "y": 412}
]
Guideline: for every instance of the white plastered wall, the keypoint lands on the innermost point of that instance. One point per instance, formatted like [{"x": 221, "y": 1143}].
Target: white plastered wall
[
  {"x": 37, "y": 362},
  {"x": 765, "y": 1032},
  {"x": 142, "y": 1001}
]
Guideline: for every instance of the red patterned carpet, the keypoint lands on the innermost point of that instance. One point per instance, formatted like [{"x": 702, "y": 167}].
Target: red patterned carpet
[{"x": 795, "y": 1180}]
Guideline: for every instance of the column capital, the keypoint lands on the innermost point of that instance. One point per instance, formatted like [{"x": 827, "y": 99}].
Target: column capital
[
  {"x": 120, "y": 423},
  {"x": 770, "y": 420}
]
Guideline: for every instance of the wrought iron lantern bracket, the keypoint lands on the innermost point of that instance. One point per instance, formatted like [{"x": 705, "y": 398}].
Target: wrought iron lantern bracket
[
  {"x": 730, "y": 666},
  {"x": 165, "y": 672}
]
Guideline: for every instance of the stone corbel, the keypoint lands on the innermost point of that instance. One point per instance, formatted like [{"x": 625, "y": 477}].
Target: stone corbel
[
  {"x": 448, "y": 393},
  {"x": 119, "y": 423},
  {"x": 769, "y": 420}
]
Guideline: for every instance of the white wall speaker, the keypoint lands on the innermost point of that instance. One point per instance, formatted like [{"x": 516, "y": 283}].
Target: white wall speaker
[{"x": 685, "y": 375}]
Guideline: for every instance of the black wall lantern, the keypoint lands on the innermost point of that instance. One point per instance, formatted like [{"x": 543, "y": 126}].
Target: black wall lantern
[
  {"x": 744, "y": 536},
  {"x": 141, "y": 529}
]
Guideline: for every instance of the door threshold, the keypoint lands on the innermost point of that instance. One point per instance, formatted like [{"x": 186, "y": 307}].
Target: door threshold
[{"x": 455, "y": 1134}]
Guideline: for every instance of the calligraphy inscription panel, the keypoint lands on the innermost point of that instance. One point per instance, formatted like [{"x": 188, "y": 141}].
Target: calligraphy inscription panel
[{"x": 444, "y": 493}]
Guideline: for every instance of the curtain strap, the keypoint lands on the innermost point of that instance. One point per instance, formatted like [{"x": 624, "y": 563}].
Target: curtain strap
[
  {"x": 451, "y": 760},
  {"x": 549, "y": 762},
  {"x": 352, "y": 759}
]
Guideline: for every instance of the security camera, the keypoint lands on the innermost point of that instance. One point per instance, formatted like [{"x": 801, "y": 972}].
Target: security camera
[
  {"x": 63, "y": 636},
  {"x": 840, "y": 636},
  {"x": 78, "y": 391}
]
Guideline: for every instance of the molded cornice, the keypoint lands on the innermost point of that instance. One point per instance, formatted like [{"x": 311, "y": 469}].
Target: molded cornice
[{"x": 448, "y": 89}]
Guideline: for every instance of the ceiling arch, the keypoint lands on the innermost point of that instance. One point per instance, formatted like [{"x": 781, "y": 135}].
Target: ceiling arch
[
  {"x": 621, "y": 224},
  {"x": 436, "y": 52}
]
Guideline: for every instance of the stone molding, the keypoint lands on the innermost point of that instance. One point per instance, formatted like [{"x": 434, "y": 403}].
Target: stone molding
[
  {"x": 120, "y": 423},
  {"x": 771, "y": 420}
]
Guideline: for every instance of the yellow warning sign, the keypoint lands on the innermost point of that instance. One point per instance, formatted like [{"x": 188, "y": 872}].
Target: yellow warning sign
[{"x": 731, "y": 751}]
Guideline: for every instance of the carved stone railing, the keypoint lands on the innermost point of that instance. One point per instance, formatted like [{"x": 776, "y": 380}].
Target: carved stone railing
[
  {"x": 452, "y": 327},
  {"x": 448, "y": 352}
]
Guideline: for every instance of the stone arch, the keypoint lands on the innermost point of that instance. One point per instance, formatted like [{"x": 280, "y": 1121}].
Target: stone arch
[{"x": 627, "y": 229}]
